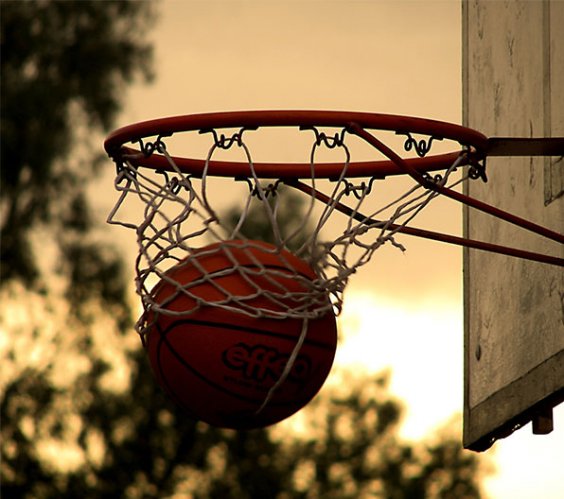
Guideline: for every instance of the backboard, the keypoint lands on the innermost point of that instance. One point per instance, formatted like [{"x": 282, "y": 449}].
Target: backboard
[{"x": 513, "y": 86}]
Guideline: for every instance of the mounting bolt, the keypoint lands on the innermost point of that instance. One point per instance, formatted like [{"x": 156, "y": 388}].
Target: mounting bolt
[{"x": 543, "y": 422}]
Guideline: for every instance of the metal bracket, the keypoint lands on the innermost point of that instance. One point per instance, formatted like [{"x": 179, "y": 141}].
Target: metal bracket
[{"x": 510, "y": 146}]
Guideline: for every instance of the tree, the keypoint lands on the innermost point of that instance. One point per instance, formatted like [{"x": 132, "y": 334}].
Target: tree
[
  {"x": 64, "y": 69},
  {"x": 69, "y": 429},
  {"x": 257, "y": 224},
  {"x": 348, "y": 449}
]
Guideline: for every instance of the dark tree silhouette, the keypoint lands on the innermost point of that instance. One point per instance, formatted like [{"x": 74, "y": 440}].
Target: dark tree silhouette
[
  {"x": 80, "y": 412},
  {"x": 257, "y": 224},
  {"x": 64, "y": 68},
  {"x": 349, "y": 448}
]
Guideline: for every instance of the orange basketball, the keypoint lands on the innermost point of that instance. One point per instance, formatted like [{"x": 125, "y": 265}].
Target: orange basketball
[{"x": 219, "y": 363}]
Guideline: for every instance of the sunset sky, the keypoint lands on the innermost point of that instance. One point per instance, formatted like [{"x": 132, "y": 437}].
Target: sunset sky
[{"x": 402, "y": 311}]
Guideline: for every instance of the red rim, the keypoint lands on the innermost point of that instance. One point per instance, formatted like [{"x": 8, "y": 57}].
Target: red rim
[{"x": 116, "y": 141}]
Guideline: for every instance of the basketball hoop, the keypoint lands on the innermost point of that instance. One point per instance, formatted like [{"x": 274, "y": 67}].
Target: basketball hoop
[{"x": 180, "y": 219}]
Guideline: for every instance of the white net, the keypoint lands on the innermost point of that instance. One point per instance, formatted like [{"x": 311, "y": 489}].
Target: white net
[{"x": 180, "y": 227}]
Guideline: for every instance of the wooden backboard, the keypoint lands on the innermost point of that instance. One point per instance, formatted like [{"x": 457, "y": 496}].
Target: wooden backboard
[{"x": 513, "y": 85}]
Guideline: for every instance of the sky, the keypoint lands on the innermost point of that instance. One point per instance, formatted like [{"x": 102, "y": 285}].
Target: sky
[{"x": 403, "y": 311}]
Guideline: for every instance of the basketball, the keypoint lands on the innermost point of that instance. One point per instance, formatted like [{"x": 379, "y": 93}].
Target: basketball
[{"x": 218, "y": 360}]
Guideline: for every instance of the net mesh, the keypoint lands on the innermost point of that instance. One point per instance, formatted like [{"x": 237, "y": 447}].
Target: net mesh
[{"x": 180, "y": 226}]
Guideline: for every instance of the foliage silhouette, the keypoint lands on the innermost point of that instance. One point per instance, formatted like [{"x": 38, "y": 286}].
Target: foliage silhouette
[
  {"x": 257, "y": 224},
  {"x": 349, "y": 448},
  {"x": 64, "y": 68}
]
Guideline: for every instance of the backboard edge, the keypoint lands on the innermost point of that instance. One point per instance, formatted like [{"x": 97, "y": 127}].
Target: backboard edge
[{"x": 488, "y": 421}]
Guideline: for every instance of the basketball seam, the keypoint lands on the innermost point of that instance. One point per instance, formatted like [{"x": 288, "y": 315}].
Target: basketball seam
[
  {"x": 263, "y": 332},
  {"x": 163, "y": 339}
]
